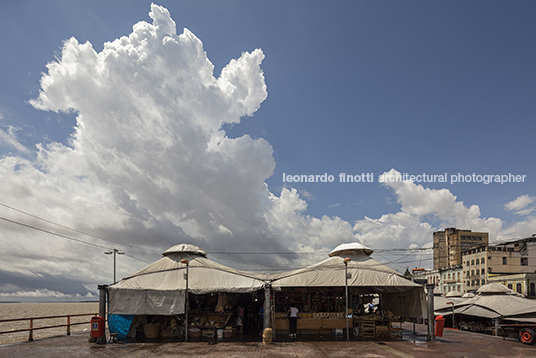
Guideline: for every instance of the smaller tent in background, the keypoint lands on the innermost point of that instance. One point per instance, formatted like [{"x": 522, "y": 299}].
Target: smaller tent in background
[{"x": 493, "y": 301}]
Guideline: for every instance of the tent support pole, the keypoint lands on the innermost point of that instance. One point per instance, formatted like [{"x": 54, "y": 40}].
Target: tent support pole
[
  {"x": 430, "y": 293},
  {"x": 266, "y": 315},
  {"x": 103, "y": 290}
]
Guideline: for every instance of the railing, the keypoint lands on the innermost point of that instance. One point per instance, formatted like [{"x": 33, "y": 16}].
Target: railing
[{"x": 32, "y": 328}]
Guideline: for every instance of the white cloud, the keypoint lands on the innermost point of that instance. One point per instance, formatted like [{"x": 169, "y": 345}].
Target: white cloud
[
  {"x": 521, "y": 205},
  {"x": 148, "y": 162},
  {"x": 43, "y": 293},
  {"x": 8, "y": 137},
  {"x": 303, "y": 232},
  {"x": 422, "y": 212}
]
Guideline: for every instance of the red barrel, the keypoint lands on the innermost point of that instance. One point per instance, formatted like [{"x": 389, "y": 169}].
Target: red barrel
[
  {"x": 97, "y": 326},
  {"x": 440, "y": 324}
]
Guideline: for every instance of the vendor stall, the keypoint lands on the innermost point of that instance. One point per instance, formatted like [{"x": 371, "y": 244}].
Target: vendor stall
[
  {"x": 318, "y": 290},
  {"x": 157, "y": 294}
]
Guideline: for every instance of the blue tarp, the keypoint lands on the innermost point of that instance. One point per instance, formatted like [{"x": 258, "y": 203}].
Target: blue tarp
[{"x": 120, "y": 324}]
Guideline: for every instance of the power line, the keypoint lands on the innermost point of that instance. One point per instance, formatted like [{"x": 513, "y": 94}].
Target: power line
[
  {"x": 75, "y": 230},
  {"x": 65, "y": 236},
  {"x": 55, "y": 234}
]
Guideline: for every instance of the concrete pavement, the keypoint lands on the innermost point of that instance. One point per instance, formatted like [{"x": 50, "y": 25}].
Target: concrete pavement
[{"x": 452, "y": 344}]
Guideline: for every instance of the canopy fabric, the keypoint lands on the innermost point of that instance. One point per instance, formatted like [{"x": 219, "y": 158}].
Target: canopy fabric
[
  {"x": 399, "y": 295},
  {"x": 146, "y": 302},
  {"x": 495, "y": 302},
  {"x": 440, "y": 302},
  {"x": 160, "y": 287}
]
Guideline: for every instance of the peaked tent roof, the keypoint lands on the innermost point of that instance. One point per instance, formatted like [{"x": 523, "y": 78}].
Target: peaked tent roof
[
  {"x": 159, "y": 288},
  {"x": 496, "y": 300},
  {"x": 366, "y": 273}
]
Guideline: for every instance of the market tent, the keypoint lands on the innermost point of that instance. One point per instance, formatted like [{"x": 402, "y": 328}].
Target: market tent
[
  {"x": 399, "y": 295},
  {"x": 443, "y": 304},
  {"x": 159, "y": 288},
  {"x": 497, "y": 301}
]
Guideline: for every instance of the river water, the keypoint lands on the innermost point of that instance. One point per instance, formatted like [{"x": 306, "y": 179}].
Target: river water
[{"x": 27, "y": 310}]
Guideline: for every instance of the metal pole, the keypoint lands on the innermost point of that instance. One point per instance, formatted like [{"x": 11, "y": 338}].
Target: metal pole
[
  {"x": 186, "y": 308},
  {"x": 346, "y": 291},
  {"x": 184, "y": 261},
  {"x": 103, "y": 289},
  {"x": 346, "y": 260},
  {"x": 30, "y": 335},
  {"x": 266, "y": 316},
  {"x": 115, "y": 265},
  {"x": 431, "y": 334},
  {"x": 453, "y": 320}
]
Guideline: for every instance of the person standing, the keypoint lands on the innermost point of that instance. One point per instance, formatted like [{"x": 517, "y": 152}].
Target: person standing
[
  {"x": 250, "y": 317},
  {"x": 240, "y": 320},
  {"x": 293, "y": 314},
  {"x": 260, "y": 324}
]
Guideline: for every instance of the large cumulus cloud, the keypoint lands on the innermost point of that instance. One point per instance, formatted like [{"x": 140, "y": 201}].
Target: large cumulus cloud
[{"x": 149, "y": 165}]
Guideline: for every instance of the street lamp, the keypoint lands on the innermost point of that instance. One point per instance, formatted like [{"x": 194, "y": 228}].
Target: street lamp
[
  {"x": 115, "y": 252},
  {"x": 184, "y": 261},
  {"x": 346, "y": 260}
]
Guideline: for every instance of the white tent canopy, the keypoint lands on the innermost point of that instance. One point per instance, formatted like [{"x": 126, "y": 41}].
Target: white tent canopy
[
  {"x": 160, "y": 287},
  {"x": 495, "y": 301},
  {"x": 399, "y": 295}
]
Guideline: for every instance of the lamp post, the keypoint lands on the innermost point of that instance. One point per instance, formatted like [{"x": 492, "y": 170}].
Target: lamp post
[
  {"x": 346, "y": 260},
  {"x": 115, "y": 252},
  {"x": 184, "y": 261}
]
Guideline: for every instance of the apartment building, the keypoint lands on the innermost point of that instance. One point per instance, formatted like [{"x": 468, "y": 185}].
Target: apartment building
[
  {"x": 523, "y": 283},
  {"x": 429, "y": 276},
  {"x": 450, "y": 243},
  {"x": 482, "y": 263},
  {"x": 451, "y": 279}
]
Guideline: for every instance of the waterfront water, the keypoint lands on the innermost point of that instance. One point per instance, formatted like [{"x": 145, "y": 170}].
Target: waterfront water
[{"x": 27, "y": 310}]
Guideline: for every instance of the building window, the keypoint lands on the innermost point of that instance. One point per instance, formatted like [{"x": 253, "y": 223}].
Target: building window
[
  {"x": 505, "y": 260},
  {"x": 482, "y": 272},
  {"x": 477, "y": 261},
  {"x": 532, "y": 290},
  {"x": 509, "y": 286},
  {"x": 468, "y": 283},
  {"x": 518, "y": 287},
  {"x": 524, "y": 261},
  {"x": 483, "y": 282},
  {"x": 472, "y": 262},
  {"x": 482, "y": 260},
  {"x": 472, "y": 272}
]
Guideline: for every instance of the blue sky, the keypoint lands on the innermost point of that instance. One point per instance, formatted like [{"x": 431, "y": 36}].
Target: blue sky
[{"x": 351, "y": 87}]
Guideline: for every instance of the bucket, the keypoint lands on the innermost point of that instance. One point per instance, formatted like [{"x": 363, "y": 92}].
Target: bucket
[{"x": 220, "y": 333}]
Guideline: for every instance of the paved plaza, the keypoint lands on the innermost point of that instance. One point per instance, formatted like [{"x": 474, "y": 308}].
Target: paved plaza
[{"x": 452, "y": 344}]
